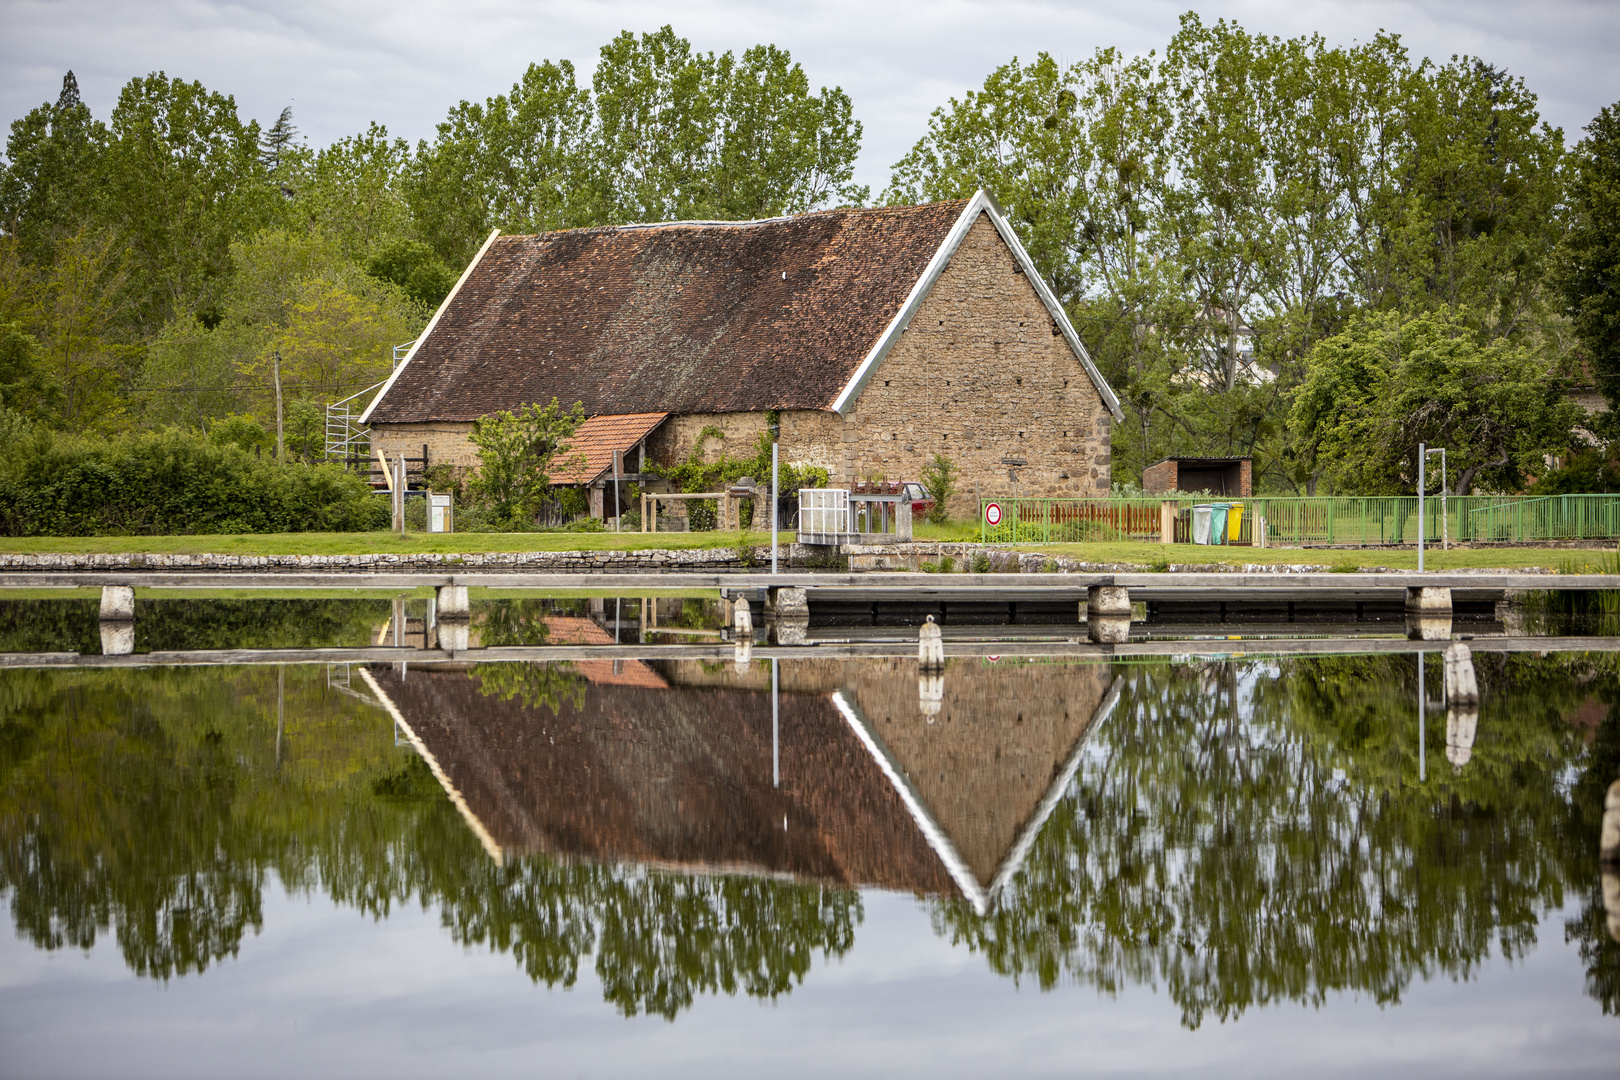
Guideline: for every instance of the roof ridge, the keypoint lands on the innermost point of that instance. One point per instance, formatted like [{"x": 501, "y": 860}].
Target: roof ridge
[{"x": 705, "y": 223}]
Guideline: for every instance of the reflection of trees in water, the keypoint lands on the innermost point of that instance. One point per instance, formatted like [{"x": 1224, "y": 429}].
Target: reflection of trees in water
[
  {"x": 152, "y": 804},
  {"x": 1245, "y": 834},
  {"x": 523, "y": 622},
  {"x": 73, "y": 625},
  {"x": 1239, "y": 838}
]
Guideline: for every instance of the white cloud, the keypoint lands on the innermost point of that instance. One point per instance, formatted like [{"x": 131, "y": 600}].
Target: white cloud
[{"x": 405, "y": 62}]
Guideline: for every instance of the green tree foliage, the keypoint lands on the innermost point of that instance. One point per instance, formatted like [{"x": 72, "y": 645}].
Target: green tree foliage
[
  {"x": 1589, "y": 277},
  {"x": 522, "y": 162},
  {"x": 663, "y": 133},
  {"x": 1387, "y": 383},
  {"x": 295, "y": 296},
  {"x": 1210, "y": 215},
  {"x": 49, "y": 185},
  {"x": 25, "y": 387},
  {"x": 182, "y": 179},
  {"x": 411, "y": 265},
  {"x": 515, "y": 453}
]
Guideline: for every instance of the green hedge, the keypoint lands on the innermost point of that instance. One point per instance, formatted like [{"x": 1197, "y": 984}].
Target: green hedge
[{"x": 169, "y": 483}]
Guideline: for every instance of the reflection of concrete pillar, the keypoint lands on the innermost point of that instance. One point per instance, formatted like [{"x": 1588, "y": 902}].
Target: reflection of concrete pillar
[
  {"x": 745, "y": 653},
  {"x": 455, "y": 636},
  {"x": 453, "y": 605},
  {"x": 790, "y": 609},
  {"x": 930, "y": 647},
  {"x": 117, "y": 638},
  {"x": 930, "y": 693},
  {"x": 1109, "y": 629},
  {"x": 1461, "y": 723},
  {"x": 1611, "y": 899},
  {"x": 1462, "y": 687},
  {"x": 1427, "y": 600},
  {"x": 1609, "y": 839},
  {"x": 117, "y": 603},
  {"x": 1428, "y": 627}
]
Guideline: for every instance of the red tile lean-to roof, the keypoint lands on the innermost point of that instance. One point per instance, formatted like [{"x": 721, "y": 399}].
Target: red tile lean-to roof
[
  {"x": 675, "y": 318},
  {"x": 590, "y": 452}
]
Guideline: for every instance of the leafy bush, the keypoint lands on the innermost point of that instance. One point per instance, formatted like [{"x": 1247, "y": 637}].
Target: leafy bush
[
  {"x": 167, "y": 483},
  {"x": 939, "y": 477}
]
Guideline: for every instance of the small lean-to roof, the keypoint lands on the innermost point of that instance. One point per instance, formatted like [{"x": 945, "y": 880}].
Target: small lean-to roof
[
  {"x": 690, "y": 317},
  {"x": 589, "y": 453}
]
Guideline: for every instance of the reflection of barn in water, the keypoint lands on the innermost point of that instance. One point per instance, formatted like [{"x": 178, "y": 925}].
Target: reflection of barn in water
[{"x": 871, "y": 792}]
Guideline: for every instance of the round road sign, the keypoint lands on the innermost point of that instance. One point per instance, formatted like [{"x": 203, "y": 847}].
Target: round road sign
[{"x": 992, "y": 514}]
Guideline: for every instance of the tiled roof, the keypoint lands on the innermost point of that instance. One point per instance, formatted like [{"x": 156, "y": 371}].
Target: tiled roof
[
  {"x": 595, "y": 441},
  {"x": 679, "y": 318}
]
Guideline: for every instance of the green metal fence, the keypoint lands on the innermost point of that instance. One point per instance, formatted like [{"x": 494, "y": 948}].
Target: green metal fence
[{"x": 1349, "y": 521}]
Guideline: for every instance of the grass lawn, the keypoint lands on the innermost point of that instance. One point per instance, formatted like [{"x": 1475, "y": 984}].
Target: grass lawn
[{"x": 1574, "y": 560}]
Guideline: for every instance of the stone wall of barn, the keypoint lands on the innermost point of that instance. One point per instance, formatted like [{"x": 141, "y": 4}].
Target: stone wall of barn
[
  {"x": 983, "y": 376},
  {"x": 447, "y": 443}
]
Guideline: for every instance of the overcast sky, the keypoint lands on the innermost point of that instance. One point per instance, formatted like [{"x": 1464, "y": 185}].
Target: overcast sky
[{"x": 403, "y": 63}]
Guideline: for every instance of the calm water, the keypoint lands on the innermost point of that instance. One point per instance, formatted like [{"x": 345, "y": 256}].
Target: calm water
[{"x": 1205, "y": 867}]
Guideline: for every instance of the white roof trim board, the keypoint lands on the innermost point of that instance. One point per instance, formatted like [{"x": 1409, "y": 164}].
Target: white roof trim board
[
  {"x": 365, "y": 417},
  {"x": 982, "y": 202}
]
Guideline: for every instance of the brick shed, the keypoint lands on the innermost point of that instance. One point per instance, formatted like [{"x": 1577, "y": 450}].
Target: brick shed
[
  {"x": 879, "y": 336},
  {"x": 1220, "y": 476}
]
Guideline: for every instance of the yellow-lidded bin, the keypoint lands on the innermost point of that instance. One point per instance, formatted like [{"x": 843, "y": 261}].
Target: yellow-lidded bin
[{"x": 1234, "y": 522}]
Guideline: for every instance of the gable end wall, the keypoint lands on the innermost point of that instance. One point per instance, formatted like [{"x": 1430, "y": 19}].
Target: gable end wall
[{"x": 980, "y": 375}]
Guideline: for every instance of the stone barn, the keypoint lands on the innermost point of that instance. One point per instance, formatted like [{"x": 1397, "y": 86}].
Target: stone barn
[{"x": 876, "y": 337}]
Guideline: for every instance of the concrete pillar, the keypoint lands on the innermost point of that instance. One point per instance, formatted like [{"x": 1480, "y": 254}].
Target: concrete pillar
[
  {"x": 902, "y": 522},
  {"x": 117, "y": 603},
  {"x": 788, "y": 603},
  {"x": 930, "y": 647},
  {"x": 453, "y": 605},
  {"x": 1108, "y": 600},
  {"x": 1426, "y": 600},
  {"x": 1167, "y": 521}
]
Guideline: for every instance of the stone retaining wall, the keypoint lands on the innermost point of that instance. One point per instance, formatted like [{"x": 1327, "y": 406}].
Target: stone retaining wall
[
  {"x": 793, "y": 556},
  {"x": 607, "y": 562}
]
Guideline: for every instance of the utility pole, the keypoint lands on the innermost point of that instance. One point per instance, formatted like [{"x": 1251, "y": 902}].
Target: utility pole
[
  {"x": 1422, "y": 458},
  {"x": 775, "y": 502},
  {"x": 281, "y": 440}
]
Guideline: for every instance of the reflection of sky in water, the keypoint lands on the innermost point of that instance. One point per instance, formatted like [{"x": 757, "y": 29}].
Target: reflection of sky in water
[
  {"x": 328, "y": 992},
  {"x": 1240, "y": 838}
]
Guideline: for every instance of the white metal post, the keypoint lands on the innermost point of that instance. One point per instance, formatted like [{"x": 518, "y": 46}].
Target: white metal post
[
  {"x": 774, "y": 504},
  {"x": 1422, "y": 457}
]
